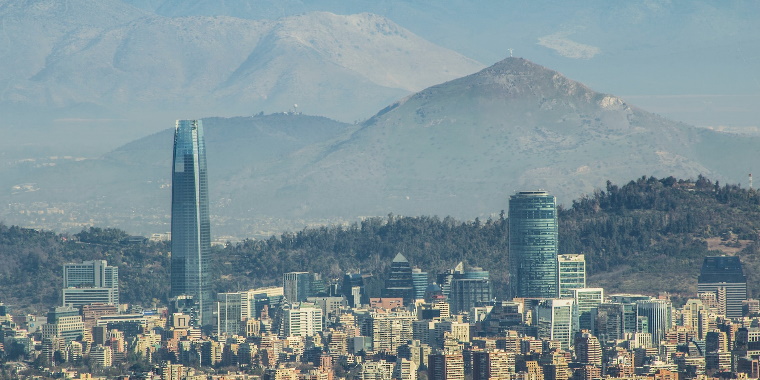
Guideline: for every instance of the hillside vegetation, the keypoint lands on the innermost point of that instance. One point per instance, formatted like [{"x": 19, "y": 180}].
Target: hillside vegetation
[{"x": 648, "y": 235}]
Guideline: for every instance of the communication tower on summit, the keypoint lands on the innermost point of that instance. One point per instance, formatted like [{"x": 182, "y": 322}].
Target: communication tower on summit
[
  {"x": 750, "y": 181},
  {"x": 510, "y": 53}
]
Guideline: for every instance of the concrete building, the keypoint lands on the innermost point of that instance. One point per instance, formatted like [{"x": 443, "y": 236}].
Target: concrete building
[
  {"x": 588, "y": 350},
  {"x": 63, "y": 322},
  {"x": 301, "y": 319},
  {"x": 101, "y": 356},
  {"x": 445, "y": 366},
  {"x": 493, "y": 364},
  {"x": 90, "y": 282}
]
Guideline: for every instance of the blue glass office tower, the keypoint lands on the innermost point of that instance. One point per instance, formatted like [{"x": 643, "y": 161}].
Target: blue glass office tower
[
  {"x": 191, "y": 235},
  {"x": 533, "y": 243}
]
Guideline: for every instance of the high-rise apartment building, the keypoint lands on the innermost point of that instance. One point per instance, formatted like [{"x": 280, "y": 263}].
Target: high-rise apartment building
[
  {"x": 445, "y": 366},
  {"x": 492, "y": 364},
  {"x": 191, "y": 228},
  {"x": 533, "y": 243},
  {"x": 90, "y": 282},
  {"x": 724, "y": 276},
  {"x": 572, "y": 274},
  {"x": 587, "y": 349}
]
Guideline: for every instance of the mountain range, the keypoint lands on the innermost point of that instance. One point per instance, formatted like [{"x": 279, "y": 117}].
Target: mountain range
[
  {"x": 459, "y": 148},
  {"x": 693, "y": 61},
  {"x": 92, "y": 73}
]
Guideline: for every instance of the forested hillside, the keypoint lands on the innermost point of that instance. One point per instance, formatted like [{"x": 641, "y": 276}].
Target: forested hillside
[{"x": 646, "y": 236}]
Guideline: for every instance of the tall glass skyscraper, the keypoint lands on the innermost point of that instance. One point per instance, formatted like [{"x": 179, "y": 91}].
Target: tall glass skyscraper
[
  {"x": 533, "y": 243},
  {"x": 191, "y": 235}
]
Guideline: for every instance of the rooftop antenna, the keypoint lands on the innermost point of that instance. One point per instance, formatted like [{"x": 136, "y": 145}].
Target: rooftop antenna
[{"x": 510, "y": 53}]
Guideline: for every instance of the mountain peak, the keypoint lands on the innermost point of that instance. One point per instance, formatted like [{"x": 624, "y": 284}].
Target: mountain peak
[{"x": 519, "y": 76}]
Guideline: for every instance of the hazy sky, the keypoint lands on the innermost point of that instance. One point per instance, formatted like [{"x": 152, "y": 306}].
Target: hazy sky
[{"x": 693, "y": 61}]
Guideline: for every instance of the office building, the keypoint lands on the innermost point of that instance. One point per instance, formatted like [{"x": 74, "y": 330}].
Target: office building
[
  {"x": 90, "y": 282},
  {"x": 90, "y": 274},
  {"x": 64, "y": 323},
  {"x": 586, "y": 302},
  {"x": 297, "y": 286},
  {"x": 231, "y": 313},
  {"x": 301, "y": 319},
  {"x": 353, "y": 290},
  {"x": 444, "y": 279},
  {"x": 724, "y": 276},
  {"x": 533, "y": 243},
  {"x": 572, "y": 274},
  {"x": 190, "y": 225},
  {"x": 400, "y": 283},
  {"x": 467, "y": 293},
  {"x": 610, "y": 321},
  {"x": 554, "y": 318},
  {"x": 658, "y": 315},
  {"x": 419, "y": 282}
]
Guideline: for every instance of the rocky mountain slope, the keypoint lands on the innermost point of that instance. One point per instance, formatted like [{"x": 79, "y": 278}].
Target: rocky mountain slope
[{"x": 459, "y": 148}]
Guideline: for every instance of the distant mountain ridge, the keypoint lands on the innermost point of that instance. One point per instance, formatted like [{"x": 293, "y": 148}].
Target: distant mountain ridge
[
  {"x": 459, "y": 148},
  {"x": 226, "y": 65},
  {"x": 103, "y": 68}
]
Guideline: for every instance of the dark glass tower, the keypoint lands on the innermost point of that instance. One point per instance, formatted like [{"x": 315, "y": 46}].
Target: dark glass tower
[
  {"x": 724, "y": 276},
  {"x": 191, "y": 235},
  {"x": 399, "y": 283},
  {"x": 533, "y": 242}
]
